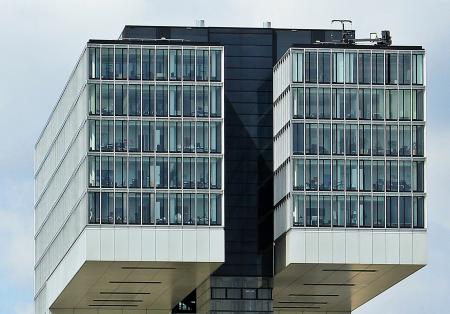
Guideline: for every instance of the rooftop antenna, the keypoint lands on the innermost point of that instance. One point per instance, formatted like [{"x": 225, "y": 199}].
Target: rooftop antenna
[{"x": 344, "y": 35}]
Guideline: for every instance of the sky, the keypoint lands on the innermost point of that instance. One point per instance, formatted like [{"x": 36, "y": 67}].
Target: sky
[{"x": 42, "y": 40}]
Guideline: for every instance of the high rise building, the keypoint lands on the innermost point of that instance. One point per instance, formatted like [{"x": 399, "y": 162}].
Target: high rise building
[{"x": 231, "y": 170}]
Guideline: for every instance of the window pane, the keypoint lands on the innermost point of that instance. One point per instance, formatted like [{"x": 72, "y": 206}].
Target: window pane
[
  {"x": 94, "y": 99},
  {"x": 351, "y": 103},
  {"x": 175, "y": 100},
  {"x": 188, "y": 101},
  {"x": 338, "y": 67},
  {"x": 121, "y": 143},
  {"x": 120, "y": 176},
  {"x": 121, "y": 100},
  {"x": 311, "y": 138},
  {"x": 391, "y": 140},
  {"x": 202, "y": 137},
  {"x": 121, "y": 208},
  {"x": 405, "y": 209},
  {"x": 338, "y": 175},
  {"x": 350, "y": 67},
  {"x": 417, "y": 140},
  {"x": 107, "y": 208},
  {"x": 391, "y": 68},
  {"x": 161, "y": 64},
  {"x": 297, "y": 67},
  {"x": 202, "y": 173},
  {"x": 364, "y": 104},
  {"x": 311, "y": 210},
  {"x": 216, "y": 137},
  {"x": 324, "y": 139},
  {"x": 135, "y": 64},
  {"x": 94, "y": 207},
  {"x": 107, "y": 135},
  {"x": 364, "y": 140},
  {"x": 405, "y": 176},
  {"x": 405, "y": 140},
  {"x": 324, "y": 103},
  {"x": 418, "y": 176},
  {"x": 338, "y": 139},
  {"x": 134, "y": 172},
  {"x": 364, "y": 68},
  {"x": 338, "y": 211},
  {"x": 175, "y": 64},
  {"x": 325, "y": 175},
  {"x": 94, "y": 135},
  {"x": 202, "y": 101},
  {"x": 392, "y": 212},
  {"x": 94, "y": 171},
  {"x": 298, "y": 102},
  {"x": 148, "y": 100},
  {"x": 391, "y": 176},
  {"x": 351, "y": 211},
  {"x": 378, "y": 175},
  {"x": 338, "y": 103},
  {"x": 216, "y": 65},
  {"x": 216, "y": 173},
  {"x": 161, "y": 208},
  {"x": 148, "y": 208},
  {"x": 175, "y": 137},
  {"x": 365, "y": 211},
  {"x": 134, "y": 208},
  {"x": 216, "y": 101},
  {"x": 351, "y": 134},
  {"x": 175, "y": 209},
  {"x": 188, "y": 173},
  {"x": 161, "y": 100},
  {"x": 188, "y": 64},
  {"x": 378, "y": 140},
  {"x": 298, "y": 212},
  {"x": 134, "y": 99},
  {"x": 324, "y": 67},
  {"x": 365, "y": 179},
  {"x": 311, "y": 66},
  {"x": 417, "y": 69},
  {"x": 377, "y": 104},
  {"x": 107, "y": 63},
  {"x": 148, "y": 172},
  {"x": 216, "y": 209},
  {"x": 311, "y": 175},
  {"x": 134, "y": 136},
  {"x": 418, "y": 212},
  {"x": 148, "y": 64},
  {"x": 417, "y": 105},
  {"x": 175, "y": 173},
  {"x": 148, "y": 136},
  {"x": 311, "y": 103},
  {"x": 107, "y": 99},
  {"x": 405, "y": 105},
  {"x": 107, "y": 164},
  {"x": 298, "y": 138},
  {"x": 121, "y": 63},
  {"x": 202, "y": 209},
  {"x": 378, "y": 211},
  {"x": 161, "y": 139},
  {"x": 188, "y": 209},
  {"x": 299, "y": 174},
  {"x": 94, "y": 62},
  {"x": 202, "y": 65},
  {"x": 161, "y": 172},
  {"x": 377, "y": 68},
  {"x": 404, "y": 68},
  {"x": 351, "y": 177},
  {"x": 325, "y": 211}
]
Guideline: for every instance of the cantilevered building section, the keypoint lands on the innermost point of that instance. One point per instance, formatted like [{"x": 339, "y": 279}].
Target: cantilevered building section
[
  {"x": 231, "y": 170},
  {"x": 349, "y": 173}
]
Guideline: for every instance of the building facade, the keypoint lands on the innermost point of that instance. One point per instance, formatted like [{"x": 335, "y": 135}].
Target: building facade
[{"x": 208, "y": 169}]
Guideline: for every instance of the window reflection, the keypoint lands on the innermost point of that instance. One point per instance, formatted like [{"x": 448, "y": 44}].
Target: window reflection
[
  {"x": 94, "y": 207},
  {"x": 325, "y": 211}
]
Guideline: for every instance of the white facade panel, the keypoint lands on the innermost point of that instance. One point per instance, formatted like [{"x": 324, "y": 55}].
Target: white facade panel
[
  {"x": 339, "y": 247},
  {"x": 392, "y": 247}
]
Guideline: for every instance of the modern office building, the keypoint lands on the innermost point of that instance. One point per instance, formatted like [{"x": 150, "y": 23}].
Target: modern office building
[{"x": 231, "y": 170}]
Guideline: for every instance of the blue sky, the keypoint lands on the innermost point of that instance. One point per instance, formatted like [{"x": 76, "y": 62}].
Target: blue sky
[{"x": 42, "y": 40}]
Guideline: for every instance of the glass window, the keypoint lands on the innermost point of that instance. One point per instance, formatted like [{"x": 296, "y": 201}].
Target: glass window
[
  {"x": 189, "y": 209},
  {"x": 134, "y": 172},
  {"x": 215, "y": 137},
  {"x": 107, "y": 99},
  {"x": 94, "y": 135},
  {"x": 351, "y": 103},
  {"x": 405, "y": 105},
  {"x": 202, "y": 64},
  {"x": 94, "y": 63},
  {"x": 391, "y": 176},
  {"x": 311, "y": 103},
  {"x": 134, "y": 136},
  {"x": 418, "y": 176},
  {"x": 121, "y": 63},
  {"x": 161, "y": 140},
  {"x": 298, "y": 212},
  {"x": 216, "y": 173},
  {"x": 121, "y": 100},
  {"x": 202, "y": 173},
  {"x": 148, "y": 100},
  {"x": 202, "y": 209},
  {"x": 405, "y": 176},
  {"x": 298, "y": 138},
  {"x": 202, "y": 137},
  {"x": 135, "y": 64},
  {"x": 365, "y": 179},
  {"x": 405, "y": 209},
  {"x": 404, "y": 68},
  {"x": 325, "y": 175},
  {"x": 324, "y": 67},
  {"x": 351, "y": 211},
  {"x": 148, "y": 208},
  {"x": 377, "y": 68},
  {"x": 107, "y": 171},
  {"x": 311, "y": 138},
  {"x": 121, "y": 142},
  {"x": 364, "y": 140},
  {"x": 188, "y": 173},
  {"x": 175, "y": 64},
  {"x": 134, "y": 208},
  {"x": 107, "y": 63},
  {"x": 391, "y": 68},
  {"x": 175, "y": 137},
  {"x": 378, "y": 211},
  {"x": 148, "y": 64},
  {"x": 161, "y": 100},
  {"x": 417, "y": 105},
  {"x": 365, "y": 211},
  {"x": 417, "y": 69},
  {"x": 148, "y": 136},
  {"x": 94, "y": 171},
  {"x": 297, "y": 67},
  {"x": 405, "y": 140},
  {"x": 161, "y": 208},
  {"x": 392, "y": 212},
  {"x": 338, "y": 103},
  {"x": 175, "y": 177},
  {"x": 311, "y": 67},
  {"x": 418, "y": 212},
  {"x": 216, "y": 101},
  {"x": 324, "y": 139},
  {"x": 351, "y": 137},
  {"x": 392, "y": 104},
  {"x": 378, "y": 175},
  {"x": 175, "y": 208},
  {"x": 325, "y": 211},
  {"x": 215, "y": 202},
  {"x": 299, "y": 174},
  {"x": 350, "y": 67},
  {"x": 417, "y": 140},
  {"x": 202, "y": 101},
  {"x": 311, "y": 210},
  {"x": 188, "y": 136},
  {"x": 94, "y": 99},
  {"x": 324, "y": 103},
  {"x": 188, "y": 101},
  {"x": 338, "y": 67},
  {"x": 338, "y": 210},
  {"x": 148, "y": 172},
  {"x": 107, "y": 135},
  {"x": 94, "y": 207},
  {"x": 188, "y": 64},
  {"x": 161, "y": 172},
  {"x": 161, "y": 64},
  {"x": 134, "y": 99},
  {"x": 216, "y": 65},
  {"x": 351, "y": 176},
  {"x": 121, "y": 208},
  {"x": 311, "y": 175},
  {"x": 377, "y": 104},
  {"x": 378, "y": 140},
  {"x": 391, "y": 140},
  {"x": 338, "y": 139},
  {"x": 298, "y": 102},
  {"x": 364, "y": 104},
  {"x": 364, "y": 68},
  {"x": 120, "y": 175},
  {"x": 338, "y": 175}
]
